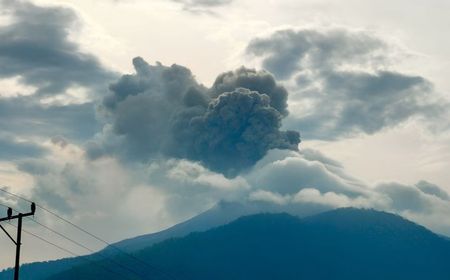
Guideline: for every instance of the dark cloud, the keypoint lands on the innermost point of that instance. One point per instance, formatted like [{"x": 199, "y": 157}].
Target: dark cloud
[
  {"x": 59, "y": 141},
  {"x": 260, "y": 81},
  {"x": 162, "y": 110},
  {"x": 35, "y": 167},
  {"x": 36, "y": 46},
  {"x": 432, "y": 189},
  {"x": 27, "y": 117},
  {"x": 13, "y": 149},
  {"x": 202, "y": 6},
  {"x": 237, "y": 130},
  {"x": 288, "y": 51},
  {"x": 405, "y": 198},
  {"x": 342, "y": 76},
  {"x": 351, "y": 103}
]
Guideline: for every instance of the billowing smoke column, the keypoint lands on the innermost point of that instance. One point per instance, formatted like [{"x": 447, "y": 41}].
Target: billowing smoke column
[
  {"x": 163, "y": 111},
  {"x": 262, "y": 82}
]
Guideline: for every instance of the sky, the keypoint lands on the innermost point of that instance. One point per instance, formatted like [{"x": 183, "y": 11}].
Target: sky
[{"x": 129, "y": 116}]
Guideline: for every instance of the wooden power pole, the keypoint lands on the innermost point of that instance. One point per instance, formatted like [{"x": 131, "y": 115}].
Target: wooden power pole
[{"x": 18, "y": 240}]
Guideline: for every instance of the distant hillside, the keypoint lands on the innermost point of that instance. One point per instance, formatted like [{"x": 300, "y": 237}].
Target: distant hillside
[
  {"x": 340, "y": 244},
  {"x": 222, "y": 213}
]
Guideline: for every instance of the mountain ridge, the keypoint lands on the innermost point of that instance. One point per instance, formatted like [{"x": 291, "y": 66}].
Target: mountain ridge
[
  {"x": 345, "y": 243},
  {"x": 222, "y": 213}
]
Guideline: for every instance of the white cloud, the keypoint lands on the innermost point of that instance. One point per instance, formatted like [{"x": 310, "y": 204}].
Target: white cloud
[
  {"x": 104, "y": 195},
  {"x": 293, "y": 172},
  {"x": 267, "y": 196},
  {"x": 12, "y": 87},
  {"x": 184, "y": 171},
  {"x": 73, "y": 95}
]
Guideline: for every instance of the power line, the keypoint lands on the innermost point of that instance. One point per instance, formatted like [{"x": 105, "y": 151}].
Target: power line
[
  {"x": 87, "y": 248},
  {"x": 4, "y": 205},
  {"x": 49, "y": 242},
  {"x": 61, "y": 235},
  {"x": 79, "y": 244},
  {"x": 7, "y": 206},
  {"x": 3, "y": 189},
  {"x": 67, "y": 238},
  {"x": 152, "y": 267},
  {"x": 70, "y": 252}
]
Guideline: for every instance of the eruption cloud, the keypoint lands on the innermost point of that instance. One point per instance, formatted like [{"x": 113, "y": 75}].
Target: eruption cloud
[{"x": 162, "y": 111}]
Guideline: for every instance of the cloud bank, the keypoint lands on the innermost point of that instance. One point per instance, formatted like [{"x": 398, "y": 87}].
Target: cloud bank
[
  {"x": 343, "y": 83},
  {"x": 308, "y": 177},
  {"x": 175, "y": 189},
  {"x": 37, "y": 47},
  {"x": 62, "y": 82}
]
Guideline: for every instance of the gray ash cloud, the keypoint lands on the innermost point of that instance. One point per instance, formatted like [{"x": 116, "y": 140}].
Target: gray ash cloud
[
  {"x": 37, "y": 47},
  {"x": 347, "y": 77},
  {"x": 163, "y": 111}
]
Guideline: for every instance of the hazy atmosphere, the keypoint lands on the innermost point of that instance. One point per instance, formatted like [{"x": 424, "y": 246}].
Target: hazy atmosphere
[{"x": 129, "y": 116}]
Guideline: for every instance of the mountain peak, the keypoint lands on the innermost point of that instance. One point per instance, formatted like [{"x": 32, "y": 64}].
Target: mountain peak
[
  {"x": 340, "y": 244},
  {"x": 232, "y": 242}
]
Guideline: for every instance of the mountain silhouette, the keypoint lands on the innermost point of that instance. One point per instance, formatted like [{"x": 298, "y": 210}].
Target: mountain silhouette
[
  {"x": 222, "y": 213},
  {"x": 345, "y": 244}
]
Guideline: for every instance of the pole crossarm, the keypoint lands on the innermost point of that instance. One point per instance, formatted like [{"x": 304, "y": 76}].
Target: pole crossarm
[
  {"x": 16, "y": 216},
  {"x": 18, "y": 240}
]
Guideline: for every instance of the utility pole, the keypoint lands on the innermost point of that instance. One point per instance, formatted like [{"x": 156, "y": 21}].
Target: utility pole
[{"x": 18, "y": 240}]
